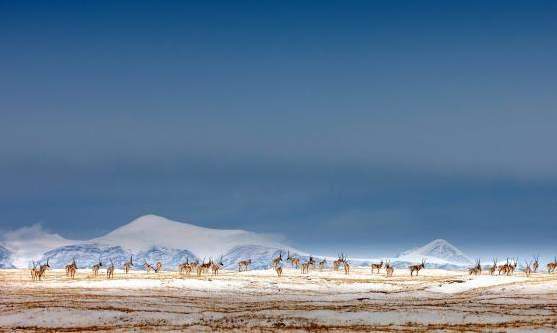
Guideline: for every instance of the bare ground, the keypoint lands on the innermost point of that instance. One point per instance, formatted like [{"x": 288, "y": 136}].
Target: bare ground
[{"x": 260, "y": 301}]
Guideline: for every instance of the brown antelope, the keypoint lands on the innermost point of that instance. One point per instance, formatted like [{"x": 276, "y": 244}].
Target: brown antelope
[
  {"x": 244, "y": 265},
  {"x": 322, "y": 264},
  {"x": 377, "y": 267},
  {"x": 71, "y": 269},
  {"x": 41, "y": 270},
  {"x": 493, "y": 268},
  {"x": 389, "y": 269},
  {"x": 278, "y": 269},
  {"x": 305, "y": 267},
  {"x": 338, "y": 262},
  {"x": 504, "y": 268},
  {"x": 295, "y": 262},
  {"x": 185, "y": 267},
  {"x": 276, "y": 261},
  {"x": 527, "y": 269},
  {"x": 204, "y": 267},
  {"x": 96, "y": 267},
  {"x": 552, "y": 266},
  {"x": 110, "y": 270},
  {"x": 536, "y": 264},
  {"x": 128, "y": 265},
  {"x": 346, "y": 267},
  {"x": 216, "y": 266},
  {"x": 477, "y": 269},
  {"x": 311, "y": 262},
  {"x": 194, "y": 264},
  {"x": 34, "y": 271},
  {"x": 512, "y": 267},
  {"x": 158, "y": 267},
  {"x": 416, "y": 268}
]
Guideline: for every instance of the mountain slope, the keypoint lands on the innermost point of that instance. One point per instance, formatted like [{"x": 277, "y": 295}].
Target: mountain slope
[
  {"x": 151, "y": 230},
  {"x": 5, "y": 258},
  {"x": 438, "y": 252}
]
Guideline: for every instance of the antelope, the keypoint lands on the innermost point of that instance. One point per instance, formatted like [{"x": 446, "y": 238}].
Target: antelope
[
  {"x": 204, "y": 267},
  {"x": 158, "y": 267},
  {"x": 504, "y": 268},
  {"x": 278, "y": 269},
  {"x": 293, "y": 261},
  {"x": 476, "y": 269},
  {"x": 277, "y": 260},
  {"x": 512, "y": 267},
  {"x": 322, "y": 264},
  {"x": 243, "y": 265},
  {"x": 552, "y": 266},
  {"x": 41, "y": 270},
  {"x": 96, "y": 267},
  {"x": 305, "y": 267},
  {"x": 389, "y": 269},
  {"x": 311, "y": 261},
  {"x": 493, "y": 268},
  {"x": 416, "y": 268},
  {"x": 377, "y": 267},
  {"x": 346, "y": 267},
  {"x": 536, "y": 264},
  {"x": 34, "y": 271},
  {"x": 527, "y": 269},
  {"x": 71, "y": 269},
  {"x": 338, "y": 262},
  {"x": 216, "y": 266},
  {"x": 110, "y": 270},
  {"x": 185, "y": 267},
  {"x": 128, "y": 265},
  {"x": 148, "y": 267}
]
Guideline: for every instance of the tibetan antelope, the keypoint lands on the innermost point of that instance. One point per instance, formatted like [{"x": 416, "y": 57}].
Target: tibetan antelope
[
  {"x": 185, "y": 267},
  {"x": 295, "y": 262},
  {"x": 322, "y": 264},
  {"x": 338, "y": 262},
  {"x": 527, "y": 269},
  {"x": 416, "y": 268},
  {"x": 158, "y": 267},
  {"x": 346, "y": 267},
  {"x": 244, "y": 265},
  {"x": 204, "y": 267},
  {"x": 34, "y": 271},
  {"x": 536, "y": 264},
  {"x": 305, "y": 267},
  {"x": 504, "y": 268},
  {"x": 376, "y": 267},
  {"x": 41, "y": 270},
  {"x": 493, "y": 268},
  {"x": 216, "y": 266},
  {"x": 276, "y": 261},
  {"x": 110, "y": 270},
  {"x": 552, "y": 266},
  {"x": 278, "y": 269},
  {"x": 389, "y": 269},
  {"x": 148, "y": 267},
  {"x": 476, "y": 270},
  {"x": 128, "y": 265},
  {"x": 71, "y": 269},
  {"x": 96, "y": 267},
  {"x": 512, "y": 267},
  {"x": 311, "y": 262}
]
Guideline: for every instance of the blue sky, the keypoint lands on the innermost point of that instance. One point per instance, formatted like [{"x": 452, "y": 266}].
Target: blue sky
[{"x": 368, "y": 126}]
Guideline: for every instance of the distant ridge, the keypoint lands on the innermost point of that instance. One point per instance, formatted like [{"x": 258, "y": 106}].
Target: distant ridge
[{"x": 438, "y": 251}]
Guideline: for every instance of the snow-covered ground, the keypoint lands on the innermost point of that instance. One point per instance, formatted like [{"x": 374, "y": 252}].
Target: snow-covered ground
[{"x": 260, "y": 300}]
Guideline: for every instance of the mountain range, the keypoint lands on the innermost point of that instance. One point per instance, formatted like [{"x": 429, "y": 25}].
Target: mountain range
[{"x": 153, "y": 238}]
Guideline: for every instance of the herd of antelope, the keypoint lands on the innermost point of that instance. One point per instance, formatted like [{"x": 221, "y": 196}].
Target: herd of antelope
[{"x": 187, "y": 268}]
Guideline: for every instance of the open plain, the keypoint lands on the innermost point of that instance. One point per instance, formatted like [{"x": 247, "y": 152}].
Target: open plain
[{"x": 261, "y": 301}]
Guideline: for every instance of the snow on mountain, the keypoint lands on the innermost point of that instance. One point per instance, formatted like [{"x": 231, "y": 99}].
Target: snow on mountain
[
  {"x": 438, "y": 252},
  {"x": 153, "y": 238},
  {"x": 29, "y": 243},
  {"x": 151, "y": 230},
  {"x": 5, "y": 258}
]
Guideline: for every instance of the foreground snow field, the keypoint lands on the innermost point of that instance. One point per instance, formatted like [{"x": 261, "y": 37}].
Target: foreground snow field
[{"x": 259, "y": 300}]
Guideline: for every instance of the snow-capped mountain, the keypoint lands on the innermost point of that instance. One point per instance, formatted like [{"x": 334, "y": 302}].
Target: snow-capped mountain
[
  {"x": 5, "y": 258},
  {"x": 438, "y": 252},
  {"x": 153, "y": 238}
]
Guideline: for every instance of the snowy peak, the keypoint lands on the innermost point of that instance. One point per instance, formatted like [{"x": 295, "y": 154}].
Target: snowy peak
[
  {"x": 152, "y": 230},
  {"x": 437, "y": 251}
]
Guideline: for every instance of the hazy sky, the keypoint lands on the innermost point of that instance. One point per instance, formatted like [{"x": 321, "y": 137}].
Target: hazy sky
[{"x": 362, "y": 125}]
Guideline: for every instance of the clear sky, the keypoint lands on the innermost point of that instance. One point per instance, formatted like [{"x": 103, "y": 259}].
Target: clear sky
[{"x": 362, "y": 125}]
